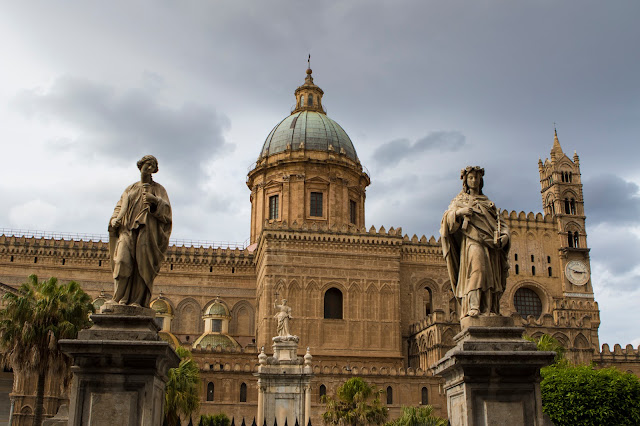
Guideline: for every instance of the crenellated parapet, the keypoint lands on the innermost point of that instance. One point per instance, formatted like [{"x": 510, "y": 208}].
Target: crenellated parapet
[
  {"x": 619, "y": 354},
  {"x": 23, "y": 249},
  {"x": 625, "y": 359}
]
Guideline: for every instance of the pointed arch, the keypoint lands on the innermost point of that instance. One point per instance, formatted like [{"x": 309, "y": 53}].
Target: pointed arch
[
  {"x": 188, "y": 319},
  {"x": 581, "y": 342},
  {"x": 242, "y": 319}
]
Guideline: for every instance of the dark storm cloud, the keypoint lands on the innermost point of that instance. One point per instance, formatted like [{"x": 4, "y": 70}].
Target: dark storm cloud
[
  {"x": 125, "y": 125},
  {"x": 391, "y": 153},
  {"x": 611, "y": 199}
]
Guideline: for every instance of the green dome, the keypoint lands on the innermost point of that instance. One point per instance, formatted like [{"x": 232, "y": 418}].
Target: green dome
[
  {"x": 161, "y": 307},
  {"x": 217, "y": 308},
  {"x": 314, "y": 129},
  {"x": 215, "y": 339}
]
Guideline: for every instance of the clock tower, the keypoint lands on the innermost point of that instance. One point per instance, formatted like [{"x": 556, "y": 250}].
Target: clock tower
[{"x": 562, "y": 197}]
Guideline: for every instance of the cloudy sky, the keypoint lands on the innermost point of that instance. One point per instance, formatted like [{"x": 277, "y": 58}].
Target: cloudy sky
[{"x": 422, "y": 87}]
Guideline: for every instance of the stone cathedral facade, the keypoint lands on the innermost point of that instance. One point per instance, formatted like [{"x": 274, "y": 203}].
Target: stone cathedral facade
[{"x": 367, "y": 302}]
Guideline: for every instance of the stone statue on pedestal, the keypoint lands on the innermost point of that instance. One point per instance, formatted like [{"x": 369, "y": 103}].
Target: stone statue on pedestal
[
  {"x": 283, "y": 318},
  {"x": 139, "y": 231},
  {"x": 475, "y": 244}
]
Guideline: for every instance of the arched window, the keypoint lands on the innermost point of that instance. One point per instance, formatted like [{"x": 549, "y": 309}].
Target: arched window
[
  {"x": 310, "y": 101},
  {"x": 570, "y": 239},
  {"x": 333, "y": 304},
  {"x": 567, "y": 209},
  {"x": 562, "y": 175},
  {"x": 570, "y": 176},
  {"x": 517, "y": 269},
  {"x": 527, "y": 303},
  {"x": 515, "y": 257},
  {"x": 210, "y": 391},
  {"x": 389, "y": 395},
  {"x": 573, "y": 206},
  {"x": 427, "y": 301},
  {"x": 424, "y": 398},
  {"x": 243, "y": 392},
  {"x": 533, "y": 270},
  {"x": 301, "y": 100},
  {"x": 548, "y": 259},
  {"x": 576, "y": 240},
  {"x": 322, "y": 392},
  {"x": 549, "y": 270}
]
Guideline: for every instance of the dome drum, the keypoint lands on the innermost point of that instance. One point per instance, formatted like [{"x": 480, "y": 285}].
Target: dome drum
[{"x": 307, "y": 170}]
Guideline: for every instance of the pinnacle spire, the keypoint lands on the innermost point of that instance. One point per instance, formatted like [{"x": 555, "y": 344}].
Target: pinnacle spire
[{"x": 556, "y": 151}]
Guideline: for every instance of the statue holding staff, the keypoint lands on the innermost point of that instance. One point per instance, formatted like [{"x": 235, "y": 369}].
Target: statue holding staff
[
  {"x": 475, "y": 245},
  {"x": 139, "y": 231}
]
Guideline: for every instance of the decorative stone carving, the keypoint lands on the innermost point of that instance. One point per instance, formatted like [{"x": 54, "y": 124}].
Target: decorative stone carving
[
  {"x": 139, "y": 231},
  {"x": 475, "y": 245}
]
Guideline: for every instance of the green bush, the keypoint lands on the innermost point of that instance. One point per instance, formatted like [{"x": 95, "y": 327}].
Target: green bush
[
  {"x": 214, "y": 420},
  {"x": 584, "y": 396},
  {"x": 418, "y": 416}
]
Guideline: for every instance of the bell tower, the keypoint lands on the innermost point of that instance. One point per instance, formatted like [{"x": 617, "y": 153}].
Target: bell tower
[{"x": 562, "y": 197}]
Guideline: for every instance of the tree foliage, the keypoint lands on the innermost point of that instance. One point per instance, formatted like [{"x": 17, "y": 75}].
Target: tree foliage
[
  {"x": 573, "y": 395},
  {"x": 31, "y": 324},
  {"x": 418, "y": 416},
  {"x": 214, "y": 420},
  {"x": 356, "y": 403},
  {"x": 182, "y": 392},
  {"x": 550, "y": 344}
]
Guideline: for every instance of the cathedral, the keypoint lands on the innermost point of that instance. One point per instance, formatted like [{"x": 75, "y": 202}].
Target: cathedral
[{"x": 367, "y": 302}]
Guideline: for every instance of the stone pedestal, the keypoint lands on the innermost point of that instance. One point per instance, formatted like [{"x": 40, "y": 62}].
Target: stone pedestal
[
  {"x": 119, "y": 369},
  {"x": 284, "y": 384},
  {"x": 492, "y": 375}
]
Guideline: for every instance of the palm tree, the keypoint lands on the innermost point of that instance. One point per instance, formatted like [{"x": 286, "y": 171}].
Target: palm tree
[
  {"x": 352, "y": 406},
  {"x": 549, "y": 343},
  {"x": 32, "y": 322},
  {"x": 182, "y": 396}
]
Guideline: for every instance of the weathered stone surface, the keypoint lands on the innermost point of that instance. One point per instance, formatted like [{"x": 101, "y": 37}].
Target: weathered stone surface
[
  {"x": 119, "y": 371},
  {"x": 492, "y": 377}
]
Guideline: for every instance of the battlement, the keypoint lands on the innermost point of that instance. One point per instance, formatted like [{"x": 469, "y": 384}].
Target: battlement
[
  {"x": 619, "y": 354},
  {"x": 32, "y": 246},
  {"x": 521, "y": 216}
]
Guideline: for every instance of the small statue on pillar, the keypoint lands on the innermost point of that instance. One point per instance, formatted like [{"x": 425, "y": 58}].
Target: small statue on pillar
[{"x": 283, "y": 317}]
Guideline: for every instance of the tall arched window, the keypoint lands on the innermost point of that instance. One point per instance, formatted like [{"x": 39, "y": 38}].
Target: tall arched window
[
  {"x": 310, "y": 100},
  {"x": 567, "y": 209},
  {"x": 210, "y": 391},
  {"x": 576, "y": 240},
  {"x": 322, "y": 392},
  {"x": 573, "y": 206},
  {"x": 301, "y": 100},
  {"x": 333, "y": 304},
  {"x": 424, "y": 398},
  {"x": 243, "y": 392},
  {"x": 570, "y": 239},
  {"x": 389, "y": 395},
  {"x": 427, "y": 301}
]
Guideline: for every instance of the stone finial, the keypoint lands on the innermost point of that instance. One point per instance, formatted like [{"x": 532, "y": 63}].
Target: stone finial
[
  {"x": 262, "y": 358},
  {"x": 308, "y": 357}
]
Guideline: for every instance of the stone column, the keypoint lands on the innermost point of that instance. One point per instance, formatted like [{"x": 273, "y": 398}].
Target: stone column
[
  {"x": 307, "y": 404},
  {"x": 119, "y": 369},
  {"x": 492, "y": 375},
  {"x": 260, "y": 415}
]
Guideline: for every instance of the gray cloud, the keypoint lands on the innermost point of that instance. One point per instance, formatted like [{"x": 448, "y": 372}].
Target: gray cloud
[
  {"x": 391, "y": 153},
  {"x": 611, "y": 199},
  {"x": 124, "y": 125}
]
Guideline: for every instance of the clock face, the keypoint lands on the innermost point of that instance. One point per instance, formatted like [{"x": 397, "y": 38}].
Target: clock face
[{"x": 577, "y": 272}]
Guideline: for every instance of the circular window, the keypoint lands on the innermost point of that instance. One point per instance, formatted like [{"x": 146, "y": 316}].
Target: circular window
[{"x": 527, "y": 302}]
